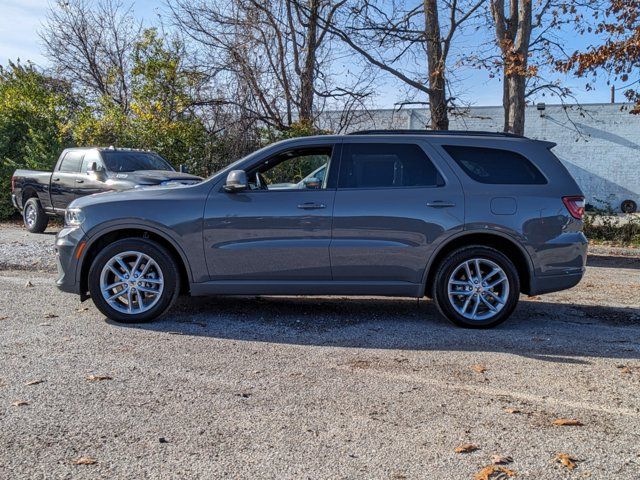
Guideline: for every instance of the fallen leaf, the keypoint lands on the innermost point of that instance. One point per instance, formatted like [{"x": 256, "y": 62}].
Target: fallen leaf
[
  {"x": 493, "y": 472},
  {"x": 50, "y": 315},
  {"x": 98, "y": 378},
  {"x": 85, "y": 461},
  {"x": 20, "y": 403},
  {"x": 82, "y": 309},
  {"x": 501, "y": 459},
  {"x": 44, "y": 324},
  {"x": 625, "y": 370},
  {"x": 566, "y": 460},
  {"x": 28, "y": 284},
  {"x": 466, "y": 448},
  {"x": 479, "y": 368},
  {"x": 34, "y": 382},
  {"x": 512, "y": 410},
  {"x": 3, "y": 318},
  {"x": 567, "y": 422}
]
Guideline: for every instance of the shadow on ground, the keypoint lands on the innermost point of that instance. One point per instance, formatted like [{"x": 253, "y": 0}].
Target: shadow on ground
[{"x": 547, "y": 331}]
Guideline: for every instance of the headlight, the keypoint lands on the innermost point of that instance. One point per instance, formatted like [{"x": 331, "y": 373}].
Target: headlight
[{"x": 73, "y": 217}]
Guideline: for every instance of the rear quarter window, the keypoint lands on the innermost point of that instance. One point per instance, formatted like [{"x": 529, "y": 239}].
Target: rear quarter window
[{"x": 495, "y": 166}]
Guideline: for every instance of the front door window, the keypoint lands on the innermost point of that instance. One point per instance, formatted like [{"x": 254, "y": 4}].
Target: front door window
[{"x": 298, "y": 169}]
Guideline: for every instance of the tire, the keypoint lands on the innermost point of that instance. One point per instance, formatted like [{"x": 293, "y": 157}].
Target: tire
[
  {"x": 34, "y": 217},
  {"x": 495, "y": 304},
  {"x": 150, "y": 296}
]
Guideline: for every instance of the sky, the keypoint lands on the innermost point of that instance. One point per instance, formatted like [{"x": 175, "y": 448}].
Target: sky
[{"x": 20, "y": 21}]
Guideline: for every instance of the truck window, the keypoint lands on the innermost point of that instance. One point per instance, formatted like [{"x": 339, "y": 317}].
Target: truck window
[
  {"x": 90, "y": 157},
  {"x": 72, "y": 161},
  {"x": 131, "y": 161}
]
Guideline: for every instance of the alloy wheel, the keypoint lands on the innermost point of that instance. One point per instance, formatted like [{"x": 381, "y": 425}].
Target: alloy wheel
[
  {"x": 131, "y": 282},
  {"x": 478, "y": 289}
]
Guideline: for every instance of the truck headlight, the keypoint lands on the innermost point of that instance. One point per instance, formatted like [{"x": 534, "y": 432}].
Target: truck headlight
[{"x": 73, "y": 217}]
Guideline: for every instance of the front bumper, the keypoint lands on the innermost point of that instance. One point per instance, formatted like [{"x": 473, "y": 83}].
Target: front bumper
[
  {"x": 14, "y": 200},
  {"x": 69, "y": 245}
]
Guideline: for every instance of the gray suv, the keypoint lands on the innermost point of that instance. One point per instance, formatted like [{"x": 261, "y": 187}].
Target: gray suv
[{"x": 469, "y": 219}]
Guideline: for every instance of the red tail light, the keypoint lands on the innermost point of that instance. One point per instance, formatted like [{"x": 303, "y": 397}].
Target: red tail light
[{"x": 575, "y": 205}]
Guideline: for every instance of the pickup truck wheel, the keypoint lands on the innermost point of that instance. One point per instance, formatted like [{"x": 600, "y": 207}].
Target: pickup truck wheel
[
  {"x": 133, "y": 280},
  {"x": 476, "y": 287},
  {"x": 35, "y": 218}
]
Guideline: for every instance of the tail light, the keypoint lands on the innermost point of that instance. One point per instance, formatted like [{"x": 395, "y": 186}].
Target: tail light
[
  {"x": 575, "y": 205},
  {"x": 13, "y": 184}
]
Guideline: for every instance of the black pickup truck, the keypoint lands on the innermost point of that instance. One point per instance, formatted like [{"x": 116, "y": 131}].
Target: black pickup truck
[{"x": 85, "y": 171}]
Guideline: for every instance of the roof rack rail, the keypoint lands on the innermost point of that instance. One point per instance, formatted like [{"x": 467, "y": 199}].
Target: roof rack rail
[{"x": 436, "y": 132}]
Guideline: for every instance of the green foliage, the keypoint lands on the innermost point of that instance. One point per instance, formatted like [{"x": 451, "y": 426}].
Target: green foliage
[
  {"x": 603, "y": 224},
  {"x": 34, "y": 112},
  {"x": 160, "y": 116}
]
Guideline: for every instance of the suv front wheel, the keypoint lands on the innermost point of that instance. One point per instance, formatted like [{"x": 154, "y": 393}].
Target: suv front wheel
[
  {"x": 133, "y": 280},
  {"x": 476, "y": 287}
]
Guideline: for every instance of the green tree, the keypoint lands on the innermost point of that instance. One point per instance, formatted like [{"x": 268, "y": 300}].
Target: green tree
[
  {"x": 35, "y": 111},
  {"x": 161, "y": 116}
]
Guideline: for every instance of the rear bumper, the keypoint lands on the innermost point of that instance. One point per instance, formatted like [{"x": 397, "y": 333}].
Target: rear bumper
[
  {"x": 554, "y": 283},
  {"x": 67, "y": 243}
]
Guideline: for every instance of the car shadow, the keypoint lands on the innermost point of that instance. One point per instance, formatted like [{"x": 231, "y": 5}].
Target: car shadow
[
  {"x": 612, "y": 261},
  {"x": 553, "y": 332}
]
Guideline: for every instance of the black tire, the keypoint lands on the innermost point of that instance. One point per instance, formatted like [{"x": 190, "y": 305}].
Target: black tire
[
  {"x": 34, "y": 217},
  {"x": 158, "y": 254},
  {"x": 447, "y": 268}
]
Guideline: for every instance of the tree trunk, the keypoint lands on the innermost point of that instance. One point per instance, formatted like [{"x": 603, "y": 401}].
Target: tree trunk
[
  {"x": 514, "y": 108},
  {"x": 307, "y": 76},
  {"x": 513, "y": 35},
  {"x": 436, "y": 68}
]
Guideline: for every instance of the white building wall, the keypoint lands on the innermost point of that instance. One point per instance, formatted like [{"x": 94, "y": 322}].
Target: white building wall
[{"x": 599, "y": 144}]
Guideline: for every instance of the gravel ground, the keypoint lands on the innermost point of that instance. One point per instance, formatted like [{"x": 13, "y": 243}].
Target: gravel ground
[{"x": 316, "y": 387}]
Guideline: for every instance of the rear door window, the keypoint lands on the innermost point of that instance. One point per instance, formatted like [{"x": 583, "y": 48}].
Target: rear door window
[
  {"x": 495, "y": 166},
  {"x": 386, "y": 165},
  {"x": 72, "y": 161}
]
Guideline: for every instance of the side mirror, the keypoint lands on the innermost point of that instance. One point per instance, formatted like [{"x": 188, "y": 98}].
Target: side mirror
[
  {"x": 97, "y": 171},
  {"x": 183, "y": 168},
  {"x": 236, "y": 181},
  {"x": 312, "y": 182}
]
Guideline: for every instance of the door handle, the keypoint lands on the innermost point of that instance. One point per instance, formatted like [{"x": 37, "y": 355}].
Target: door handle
[
  {"x": 440, "y": 204},
  {"x": 311, "y": 206},
  {"x": 79, "y": 180}
]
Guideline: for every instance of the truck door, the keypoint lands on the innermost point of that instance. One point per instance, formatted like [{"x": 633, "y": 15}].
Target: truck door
[
  {"x": 88, "y": 182},
  {"x": 63, "y": 179}
]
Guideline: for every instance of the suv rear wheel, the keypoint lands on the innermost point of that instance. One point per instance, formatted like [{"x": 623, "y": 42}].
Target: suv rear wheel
[
  {"x": 133, "y": 280},
  {"x": 476, "y": 287}
]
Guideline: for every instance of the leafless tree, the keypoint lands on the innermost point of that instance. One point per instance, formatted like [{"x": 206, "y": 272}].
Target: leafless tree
[
  {"x": 529, "y": 40},
  {"x": 274, "y": 57},
  {"x": 396, "y": 37},
  {"x": 89, "y": 43}
]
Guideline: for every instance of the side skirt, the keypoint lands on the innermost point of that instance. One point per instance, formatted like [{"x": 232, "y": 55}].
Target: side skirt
[{"x": 328, "y": 287}]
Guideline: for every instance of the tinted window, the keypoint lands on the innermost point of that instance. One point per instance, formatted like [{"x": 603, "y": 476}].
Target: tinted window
[
  {"x": 492, "y": 165},
  {"x": 72, "y": 161},
  {"x": 128, "y": 161},
  {"x": 380, "y": 165}
]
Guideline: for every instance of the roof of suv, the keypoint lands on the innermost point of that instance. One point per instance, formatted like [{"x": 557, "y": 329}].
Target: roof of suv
[{"x": 462, "y": 133}]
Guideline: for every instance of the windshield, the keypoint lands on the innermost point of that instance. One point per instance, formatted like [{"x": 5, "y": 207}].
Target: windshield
[{"x": 128, "y": 161}]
